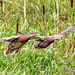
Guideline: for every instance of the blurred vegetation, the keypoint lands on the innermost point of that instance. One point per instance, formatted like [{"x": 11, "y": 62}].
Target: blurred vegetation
[{"x": 58, "y": 58}]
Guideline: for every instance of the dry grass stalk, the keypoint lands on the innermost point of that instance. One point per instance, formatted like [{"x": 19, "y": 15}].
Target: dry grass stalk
[
  {"x": 57, "y": 16},
  {"x": 3, "y": 5},
  {"x": 25, "y": 13}
]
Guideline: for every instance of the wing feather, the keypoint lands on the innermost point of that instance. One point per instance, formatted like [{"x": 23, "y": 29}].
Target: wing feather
[{"x": 9, "y": 39}]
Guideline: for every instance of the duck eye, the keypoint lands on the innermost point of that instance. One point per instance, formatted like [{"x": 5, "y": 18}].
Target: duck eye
[{"x": 33, "y": 33}]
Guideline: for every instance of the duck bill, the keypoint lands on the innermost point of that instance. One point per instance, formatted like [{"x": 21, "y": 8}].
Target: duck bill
[{"x": 36, "y": 35}]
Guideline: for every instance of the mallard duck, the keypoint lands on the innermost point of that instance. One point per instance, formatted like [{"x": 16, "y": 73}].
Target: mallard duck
[
  {"x": 45, "y": 41},
  {"x": 16, "y": 42}
]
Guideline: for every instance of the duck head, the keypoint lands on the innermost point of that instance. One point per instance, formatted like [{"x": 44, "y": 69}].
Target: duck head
[{"x": 33, "y": 34}]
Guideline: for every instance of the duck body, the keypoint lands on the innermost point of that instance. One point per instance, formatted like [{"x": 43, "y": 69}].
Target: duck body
[
  {"x": 44, "y": 43},
  {"x": 47, "y": 40},
  {"x": 19, "y": 42}
]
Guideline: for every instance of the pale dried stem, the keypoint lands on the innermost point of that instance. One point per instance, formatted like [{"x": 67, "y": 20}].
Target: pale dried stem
[
  {"x": 25, "y": 12},
  {"x": 3, "y": 5},
  {"x": 57, "y": 16}
]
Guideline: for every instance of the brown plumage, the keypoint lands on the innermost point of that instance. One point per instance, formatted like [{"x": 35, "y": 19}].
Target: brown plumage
[
  {"x": 15, "y": 42},
  {"x": 45, "y": 41}
]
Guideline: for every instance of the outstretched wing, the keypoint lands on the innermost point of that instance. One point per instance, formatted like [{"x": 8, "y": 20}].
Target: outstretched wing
[
  {"x": 56, "y": 37},
  {"x": 67, "y": 30},
  {"x": 9, "y": 39}
]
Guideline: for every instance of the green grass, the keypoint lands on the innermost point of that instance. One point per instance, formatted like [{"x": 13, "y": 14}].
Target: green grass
[{"x": 57, "y": 59}]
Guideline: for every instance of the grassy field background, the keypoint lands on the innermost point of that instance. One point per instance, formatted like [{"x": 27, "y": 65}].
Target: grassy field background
[{"x": 58, "y": 58}]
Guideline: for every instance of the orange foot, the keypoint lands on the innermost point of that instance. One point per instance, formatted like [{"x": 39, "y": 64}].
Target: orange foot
[
  {"x": 8, "y": 52},
  {"x": 38, "y": 47}
]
